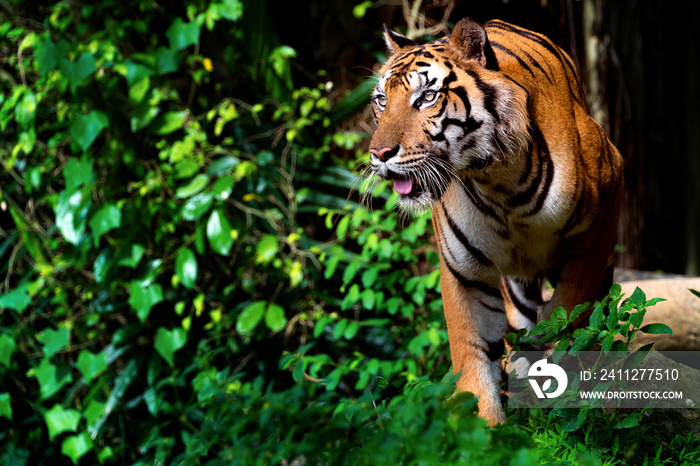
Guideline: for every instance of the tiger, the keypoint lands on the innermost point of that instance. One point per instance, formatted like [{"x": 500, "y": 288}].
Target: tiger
[{"x": 489, "y": 129}]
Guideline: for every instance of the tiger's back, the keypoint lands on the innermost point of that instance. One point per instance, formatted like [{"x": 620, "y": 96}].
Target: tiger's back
[{"x": 490, "y": 129}]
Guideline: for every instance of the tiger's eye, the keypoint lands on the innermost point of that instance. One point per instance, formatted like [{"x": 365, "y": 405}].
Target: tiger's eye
[
  {"x": 429, "y": 96},
  {"x": 381, "y": 100}
]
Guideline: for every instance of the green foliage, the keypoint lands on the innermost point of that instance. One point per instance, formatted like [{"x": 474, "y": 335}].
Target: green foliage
[
  {"x": 610, "y": 318},
  {"x": 185, "y": 278},
  {"x": 592, "y": 435}
]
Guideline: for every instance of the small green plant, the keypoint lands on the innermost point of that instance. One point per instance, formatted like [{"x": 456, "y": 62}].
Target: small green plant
[
  {"x": 598, "y": 435},
  {"x": 611, "y": 317}
]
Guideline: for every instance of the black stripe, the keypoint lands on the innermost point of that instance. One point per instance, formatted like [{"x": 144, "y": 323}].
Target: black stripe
[
  {"x": 474, "y": 251},
  {"x": 524, "y": 309},
  {"x": 526, "y": 196},
  {"x": 528, "y": 169},
  {"x": 493, "y": 308},
  {"x": 472, "y": 284},
  {"x": 491, "y": 60},
  {"x": 496, "y": 349},
  {"x": 489, "y": 92},
  {"x": 575, "y": 216},
  {"x": 452, "y": 77},
  {"x": 542, "y": 196},
  {"x": 461, "y": 93},
  {"x": 478, "y": 202},
  {"x": 509, "y": 52},
  {"x": 536, "y": 63},
  {"x": 555, "y": 51}
]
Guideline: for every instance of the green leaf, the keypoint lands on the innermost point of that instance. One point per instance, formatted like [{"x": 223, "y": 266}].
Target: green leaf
[
  {"x": 343, "y": 226},
  {"x": 168, "y": 342},
  {"x": 657, "y": 329},
  {"x": 695, "y": 292},
  {"x": 54, "y": 340},
  {"x": 168, "y": 122},
  {"x": 638, "y": 298},
  {"x": 368, "y": 298},
  {"x": 143, "y": 116},
  {"x": 86, "y": 128},
  {"x": 71, "y": 212},
  {"x": 181, "y": 34},
  {"x": 76, "y": 446},
  {"x": 91, "y": 365},
  {"x": 542, "y": 327},
  {"x": 359, "y": 10},
  {"x": 231, "y": 9},
  {"x": 186, "y": 267},
  {"x": 7, "y": 349},
  {"x": 574, "y": 424},
  {"x": 195, "y": 186},
  {"x": 167, "y": 60},
  {"x": 5, "y": 406},
  {"x": 596, "y": 319},
  {"x": 275, "y": 318},
  {"x": 607, "y": 343},
  {"x": 76, "y": 72},
  {"x": 628, "y": 421},
  {"x": 77, "y": 172},
  {"x": 583, "y": 342},
  {"x": 51, "y": 378},
  {"x": 142, "y": 298},
  {"x": 250, "y": 317},
  {"x": 197, "y": 206},
  {"x": 266, "y": 249},
  {"x": 17, "y": 299},
  {"x": 219, "y": 233},
  {"x": 577, "y": 311},
  {"x": 94, "y": 410},
  {"x": 559, "y": 314},
  {"x": 59, "y": 420},
  {"x": 107, "y": 218},
  {"x": 369, "y": 276},
  {"x": 133, "y": 256},
  {"x": 46, "y": 56},
  {"x": 26, "y": 109},
  {"x": 223, "y": 187},
  {"x": 637, "y": 318}
]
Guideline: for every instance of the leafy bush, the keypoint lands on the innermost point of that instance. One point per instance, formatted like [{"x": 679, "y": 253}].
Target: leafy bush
[{"x": 185, "y": 278}]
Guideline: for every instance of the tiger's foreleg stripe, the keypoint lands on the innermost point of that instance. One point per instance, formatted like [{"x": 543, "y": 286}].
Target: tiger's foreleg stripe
[
  {"x": 473, "y": 284},
  {"x": 496, "y": 349},
  {"x": 493, "y": 309},
  {"x": 493, "y": 351},
  {"x": 529, "y": 313},
  {"x": 459, "y": 234}
]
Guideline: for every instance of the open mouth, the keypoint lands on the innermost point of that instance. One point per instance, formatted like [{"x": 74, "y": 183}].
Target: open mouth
[{"x": 407, "y": 187}]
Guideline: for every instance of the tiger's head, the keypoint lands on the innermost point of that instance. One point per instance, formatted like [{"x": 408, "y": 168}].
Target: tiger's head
[{"x": 444, "y": 111}]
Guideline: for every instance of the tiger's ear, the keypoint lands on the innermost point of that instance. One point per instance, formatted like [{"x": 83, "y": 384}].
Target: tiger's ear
[
  {"x": 395, "y": 41},
  {"x": 469, "y": 37}
]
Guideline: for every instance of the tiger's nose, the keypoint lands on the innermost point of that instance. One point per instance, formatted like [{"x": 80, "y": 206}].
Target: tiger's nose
[{"x": 384, "y": 153}]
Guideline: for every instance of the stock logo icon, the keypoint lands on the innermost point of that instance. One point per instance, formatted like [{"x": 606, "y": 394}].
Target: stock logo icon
[{"x": 543, "y": 369}]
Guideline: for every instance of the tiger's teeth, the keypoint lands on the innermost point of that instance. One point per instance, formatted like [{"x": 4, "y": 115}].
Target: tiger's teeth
[{"x": 403, "y": 186}]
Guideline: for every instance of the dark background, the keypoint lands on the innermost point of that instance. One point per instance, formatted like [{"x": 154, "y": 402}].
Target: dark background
[{"x": 639, "y": 63}]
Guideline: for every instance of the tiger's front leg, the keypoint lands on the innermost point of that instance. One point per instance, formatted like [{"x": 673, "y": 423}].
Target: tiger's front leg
[{"x": 476, "y": 326}]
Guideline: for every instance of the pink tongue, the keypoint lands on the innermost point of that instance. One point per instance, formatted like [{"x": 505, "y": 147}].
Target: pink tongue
[{"x": 403, "y": 186}]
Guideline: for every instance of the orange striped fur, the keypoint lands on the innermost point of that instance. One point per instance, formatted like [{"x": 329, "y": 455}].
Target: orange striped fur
[{"x": 490, "y": 129}]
